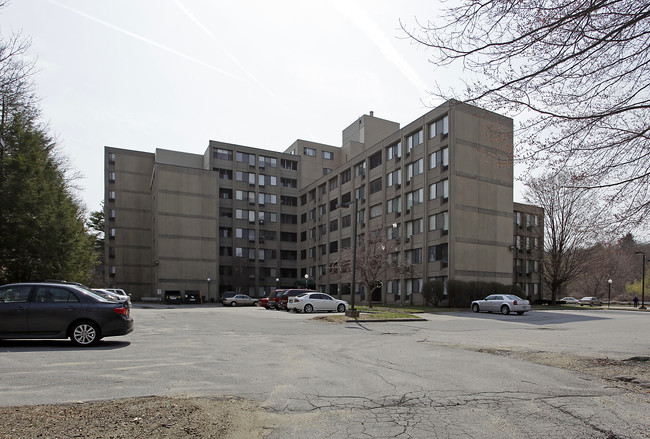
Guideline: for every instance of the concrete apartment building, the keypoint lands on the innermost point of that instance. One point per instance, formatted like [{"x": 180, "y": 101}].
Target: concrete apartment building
[{"x": 245, "y": 218}]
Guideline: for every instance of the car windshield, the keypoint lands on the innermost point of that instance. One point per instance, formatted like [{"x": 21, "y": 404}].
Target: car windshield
[{"x": 92, "y": 293}]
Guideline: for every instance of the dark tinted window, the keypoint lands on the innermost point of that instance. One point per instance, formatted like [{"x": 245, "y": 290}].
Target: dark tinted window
[
  {"x": 15, "y": 294},
  {"x": 53, "y": 294}
]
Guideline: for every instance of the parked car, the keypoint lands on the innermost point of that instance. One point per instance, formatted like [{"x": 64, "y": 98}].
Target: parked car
[
  {"x": 570, "y": 300},
  {"x": 239, "y": 300},
  {"x": 309, "y": 302},
  {"x": 226, "y": 295},
  {"x": 264, "y": 301},
  {"x": 274, "y": 298},
  {"x": 284, "y": 297},
  {"x": 105, "y": 292},
  {"x": 503, "y": 303},
  {"x": 591, "y": 301},
  {"x": 60, "y": 310},
  {"x": 119, "y": 292}
]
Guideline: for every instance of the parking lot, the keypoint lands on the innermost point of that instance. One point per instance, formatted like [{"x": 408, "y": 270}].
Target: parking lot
[{"x": 450, "y": 375}]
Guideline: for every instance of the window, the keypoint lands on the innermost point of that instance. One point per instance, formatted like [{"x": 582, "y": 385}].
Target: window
[
  {"x": 327, "y": 171},
  {"x": 288, "y": 219},
  {"x": 225, "y": 212},
  {"x": 243, "y": 157},
  {"x": 111, "y": 177},
  {"x": 311, "y": 152},
  {"x": 322, "y": 209},
  {"x": 225, "y": 194},
  {"x": 440, "y": 126},
  {"x": 225, "y": 251},
  {"x": 264, "y": 180},
  {"x": 439, "y": 158},
  {"x": 375, "y": 186},
  {"x": 414, "y": 256},
  {"x": 225, "y": 232},
  {"x": 438, "y": 253},
  {"x": 394, "y": 151},
  {"x": 224, "y": 174},
  {"x": 111, "y": 233},
  {"x": 334, "y": 204},
  {"x": 360, "y": 193},
  {"x": 286, "y": 200},
  {"x": 518, "y": 218},
  {"x": 291, "y": 183},
  {"x": 328, "y": 155},
  {"x": 334, "y": 225},
  {"x": 394, "y": 232},
  {"x": 111, "y": 195},
  {"x": 223, "y": 154},
  {"x": 111, "y": 158},
  {"x": 15, "y": 294},
  {"x": 439, "y": 221},
  {"x": 361, "y": 216},
  {"x": 414, "y": 198},
  {"x": 395, "y": 205},
  {"x": 415, "y": 168},
  {"x": 346, "y": 176},
  {"x": 334, "y": 183},
  {"x": 334, "y": 246},
  {"x": 346, "y": 198},
  {"x": 439, "y": 190},
  {"x": 394, "y": 178},
  {"x": 288, "y": 237},
  {"x": 111, "y": 214},
  {"x": 264, "y": 162},
  {"x": 414, "y": 140},
  {"x": 360, "y": 169},
  {"x": 375, "y": 160},
  {"x": 267, "y": 198},
  {"x": 346, "y": 221},
  {"x": 375, "y": 211},
  {"x": 414, "y": 227},
  {"x": 413, "y": 286},
  {"x": 291, "y": 165}
]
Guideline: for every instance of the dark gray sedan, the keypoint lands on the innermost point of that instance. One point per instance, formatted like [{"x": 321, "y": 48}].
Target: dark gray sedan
[{"x": 60, "y": 310}]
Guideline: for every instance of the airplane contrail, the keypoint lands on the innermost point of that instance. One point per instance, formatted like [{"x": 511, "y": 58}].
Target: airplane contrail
[{"x": 146, "y": 40}]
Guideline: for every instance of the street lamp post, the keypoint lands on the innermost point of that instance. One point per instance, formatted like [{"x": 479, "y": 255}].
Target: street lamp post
[
  {"x": 209, "y": 298},
  {"x": 609, "y": 293},
  {"x": 642, "y": 280},
  {"x": 277, "y": 282}
]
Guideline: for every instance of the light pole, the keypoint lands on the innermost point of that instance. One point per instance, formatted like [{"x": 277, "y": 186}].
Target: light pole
[
  {"x": 277, "y": 282},
  {"x": 642, "y": 280},
  {"x": 209, "y": 298},
  {"x": 609, "y": 293}
]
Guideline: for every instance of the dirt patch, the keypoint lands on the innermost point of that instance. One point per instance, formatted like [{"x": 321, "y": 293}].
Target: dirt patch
[{"x": 148, "y": 417}]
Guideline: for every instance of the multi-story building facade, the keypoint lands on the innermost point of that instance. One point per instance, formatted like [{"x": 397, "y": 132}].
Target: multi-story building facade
[
  {"x": 244, "y": 218},
  {"x": 528, "y": 249}
]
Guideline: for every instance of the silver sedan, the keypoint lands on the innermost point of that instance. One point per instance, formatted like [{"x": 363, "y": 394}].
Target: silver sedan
[
  {"x": 503, "y": 303},
  {"x": 239, "y": 299}
]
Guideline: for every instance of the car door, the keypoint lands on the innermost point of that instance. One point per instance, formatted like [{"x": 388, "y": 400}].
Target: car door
[
  {"x": 14, "y": 307},
  {"x": 328, "y": 303},
  {"x": 488, "y": 303},
  {"x": 52, "y": 310}
]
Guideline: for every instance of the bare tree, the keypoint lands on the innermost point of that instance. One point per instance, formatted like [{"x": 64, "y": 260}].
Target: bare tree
[
  {"x": 576, "y": 71},
  {"x": 377, "y": 261},
  {"x": 573, "y": 222}
]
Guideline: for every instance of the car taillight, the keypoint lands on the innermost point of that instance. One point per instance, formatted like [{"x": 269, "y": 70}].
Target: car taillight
[
  {"x": 123, "y": 311},
  {"x": 514, "y": 303}
]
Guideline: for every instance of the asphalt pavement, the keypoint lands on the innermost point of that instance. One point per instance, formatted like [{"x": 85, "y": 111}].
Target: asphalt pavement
[{"x": 376, "y": 380}]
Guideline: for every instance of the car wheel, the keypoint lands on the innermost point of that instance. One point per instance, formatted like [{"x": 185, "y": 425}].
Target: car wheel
[
  {"x": 475, "y": 307},
  {"x": 308, "y": 308},
  {"x": 84, "y": 334},
  {"x": 255, "y": 303},
  {"x": 340, "y": 308},
  {"x": 505, "y": 310},
  {"x": 233, "y": 303}
]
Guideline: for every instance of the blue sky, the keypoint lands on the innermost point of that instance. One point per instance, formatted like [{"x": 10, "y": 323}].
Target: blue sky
[{"x": 174, "y": 74}]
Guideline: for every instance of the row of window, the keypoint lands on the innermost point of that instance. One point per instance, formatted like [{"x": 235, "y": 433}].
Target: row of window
[
  {"x": 260, "y": 161},
  {"x": 394, "y": 178},
  {"x": 532, "y": 220}
]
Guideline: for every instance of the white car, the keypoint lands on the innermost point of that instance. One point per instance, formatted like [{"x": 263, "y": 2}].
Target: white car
[
  {"x": 309, "y": 302},
  {"x": 591, "y": 301},
  {"x": 570, "y": 300},
  {"x": 503, "y": 303},
  {"x": 112, "y": 292}
]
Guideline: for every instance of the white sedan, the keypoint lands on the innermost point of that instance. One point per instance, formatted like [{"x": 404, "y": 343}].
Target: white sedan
[
  {"x": 309, "y": 302},
  {"x": 570, "y": 300},
  {"x": 503, "y": 303}
]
